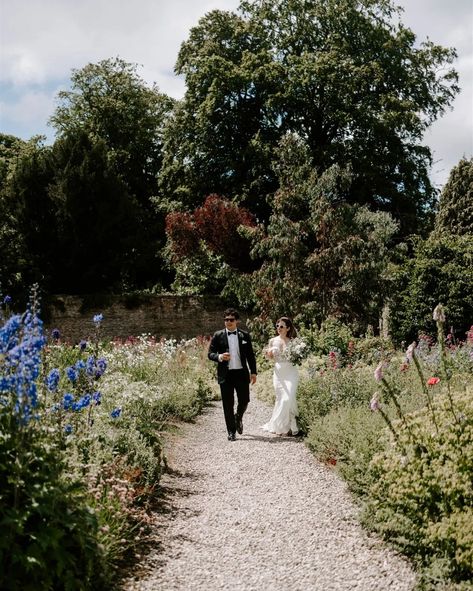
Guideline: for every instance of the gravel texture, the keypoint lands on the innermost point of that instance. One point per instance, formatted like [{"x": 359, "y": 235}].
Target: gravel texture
[{"x": 260, "y": 514}]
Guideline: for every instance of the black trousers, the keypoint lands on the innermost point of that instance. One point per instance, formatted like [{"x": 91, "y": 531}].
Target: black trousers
[{"x": 236, "y": 380}]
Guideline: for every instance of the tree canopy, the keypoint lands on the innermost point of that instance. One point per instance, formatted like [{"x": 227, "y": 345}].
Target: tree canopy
[
  {"x": 455, "y": 213},
  {"x": 347, "y": 77},
  {"x": 110, "y": 102}
]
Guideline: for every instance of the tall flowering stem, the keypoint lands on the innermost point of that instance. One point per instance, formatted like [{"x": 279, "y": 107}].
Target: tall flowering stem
[
  {"x": 430, "y": 402},
  {"x": 390, "y": 391},
  {"x": 439, "y": 317},
  {"x": 392, "y": 394}
]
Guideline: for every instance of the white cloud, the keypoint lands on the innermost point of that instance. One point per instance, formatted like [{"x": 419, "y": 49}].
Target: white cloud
[{"x": 45, "y": 39}]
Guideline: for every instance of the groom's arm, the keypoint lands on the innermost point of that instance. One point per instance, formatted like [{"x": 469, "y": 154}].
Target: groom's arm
[{"x": 213, "y": 353}]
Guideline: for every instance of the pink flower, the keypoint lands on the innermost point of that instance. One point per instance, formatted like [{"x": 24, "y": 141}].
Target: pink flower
[
  {"x": 378, "y": 372},
  {"x": 410, "y": 351},
  {"x": 374, "y": 403},
  {"x": 433, "y": 381}
]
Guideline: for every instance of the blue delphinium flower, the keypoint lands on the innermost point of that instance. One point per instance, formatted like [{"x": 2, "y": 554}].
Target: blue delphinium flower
[
  {"x": 67, "y": 401},
  {"x": 98, "y": 319},
  {"x": 7, "y": 300},
  {"x": 71, "y": 373},
  {"x": 52, "y": 380},
  {"x": 55, "y": 334},
  {"x": 97, "y": 397},
  {"x": 80, "y": 365},
  {"x": 100, "y": 367},
  {"x": 83, "y": 402},
  {"x": 116, "y": 412},
  {"x": 21, "y": 343},
  {"x": 83, "y": 345},
  {"x": 68, "y": 429},
  {"x": 90, "y": 365}
]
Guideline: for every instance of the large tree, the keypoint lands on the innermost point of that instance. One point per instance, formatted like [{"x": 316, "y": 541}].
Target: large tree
[
  {"x": 455, "y": 215},
  {"x": 345, "y": 75},
  {"x": 99, "y": 239},
  {"x": 110, "y": 103},
  {"x": 27, "y": 215},
  {"x": 321, "y": 255}
]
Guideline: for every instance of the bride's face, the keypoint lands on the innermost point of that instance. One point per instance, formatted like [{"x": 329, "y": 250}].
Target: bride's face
[{"x": 281, "y": 328}]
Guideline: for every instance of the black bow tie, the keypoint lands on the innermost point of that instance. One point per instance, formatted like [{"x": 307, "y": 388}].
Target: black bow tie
[{"x": 234, "y": 332}]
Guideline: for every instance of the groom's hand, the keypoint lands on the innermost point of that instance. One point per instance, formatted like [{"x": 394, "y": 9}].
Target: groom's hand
[{"x": 253, "y": 379}]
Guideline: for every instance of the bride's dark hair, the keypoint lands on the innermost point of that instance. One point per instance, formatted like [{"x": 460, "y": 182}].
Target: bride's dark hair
[{"x": 291, "y": 331}]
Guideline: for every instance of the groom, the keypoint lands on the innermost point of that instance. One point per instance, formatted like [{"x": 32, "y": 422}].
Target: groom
[{"x": 231, "y": 348}]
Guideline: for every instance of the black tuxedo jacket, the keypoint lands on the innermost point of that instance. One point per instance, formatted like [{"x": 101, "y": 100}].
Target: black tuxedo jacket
[{"x": 219, "y": 344}]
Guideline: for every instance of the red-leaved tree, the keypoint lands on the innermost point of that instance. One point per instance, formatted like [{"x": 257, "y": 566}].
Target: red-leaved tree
[{"x": 216, "y": 222}]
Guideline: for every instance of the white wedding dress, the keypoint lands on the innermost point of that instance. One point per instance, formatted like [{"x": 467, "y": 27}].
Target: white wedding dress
[{"x": 285, "y": 381}]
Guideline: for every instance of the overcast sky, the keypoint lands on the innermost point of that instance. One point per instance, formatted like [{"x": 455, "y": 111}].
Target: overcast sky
[{"x": 41, "y": 41}]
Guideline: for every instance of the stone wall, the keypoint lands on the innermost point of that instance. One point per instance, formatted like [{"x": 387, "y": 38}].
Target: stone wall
[{"x": 159, "y": 315}]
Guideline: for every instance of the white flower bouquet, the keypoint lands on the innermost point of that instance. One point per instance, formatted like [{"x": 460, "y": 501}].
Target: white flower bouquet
[{"x": 296, "y": 351}]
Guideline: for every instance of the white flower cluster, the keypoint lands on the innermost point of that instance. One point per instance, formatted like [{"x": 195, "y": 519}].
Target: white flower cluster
[{"x": 296, "y": 351}]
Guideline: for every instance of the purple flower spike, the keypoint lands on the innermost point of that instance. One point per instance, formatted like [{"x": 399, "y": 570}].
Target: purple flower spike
[
  {"x": 378, "y": 372},
  {"x": 374, "y": 403}
]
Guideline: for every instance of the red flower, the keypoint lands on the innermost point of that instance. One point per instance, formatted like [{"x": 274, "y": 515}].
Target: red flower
[{"x": 433, "y": 381}]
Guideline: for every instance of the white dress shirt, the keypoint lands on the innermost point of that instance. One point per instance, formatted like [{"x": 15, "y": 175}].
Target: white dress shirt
[{"x": 234, "y": 350}]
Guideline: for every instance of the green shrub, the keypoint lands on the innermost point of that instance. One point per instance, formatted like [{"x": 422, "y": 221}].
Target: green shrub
[
  {"x": 421, "y": 497},
  {"x": 441, "y": 271},
  {"x": 48, "y": 530},
  {"x": 333, "y": 335},
  {"x": 321, "y": 391},
  {"x": 347, "y": 438}
]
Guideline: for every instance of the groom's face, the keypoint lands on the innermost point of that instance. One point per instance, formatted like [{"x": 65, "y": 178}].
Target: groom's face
[{"x": 230, "y": 322}]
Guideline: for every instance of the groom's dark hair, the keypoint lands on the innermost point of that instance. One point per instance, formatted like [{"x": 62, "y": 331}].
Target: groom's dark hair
[{"x": 231, "y": 312}]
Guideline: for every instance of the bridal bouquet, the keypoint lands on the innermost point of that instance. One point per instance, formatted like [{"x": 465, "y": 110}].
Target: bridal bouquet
[{"x": 296, "y": 351}]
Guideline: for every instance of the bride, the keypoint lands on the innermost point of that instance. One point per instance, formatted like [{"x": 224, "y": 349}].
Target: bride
[{"x": 285, "y": 381}]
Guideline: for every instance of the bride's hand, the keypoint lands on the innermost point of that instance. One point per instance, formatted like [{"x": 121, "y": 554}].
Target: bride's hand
[{"x": 268, "y": 352}]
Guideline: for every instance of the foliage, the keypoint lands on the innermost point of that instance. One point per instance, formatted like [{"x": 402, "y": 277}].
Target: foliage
[
  {"x": 98, "y": 221},
  {"x": 217, "y": 223},
  {"x": 321, "y": 256},
  {"x": 110, "y": 102},
  {"x": 440, "y": 271},
  {"x": 27, "y": 224},
  {"x": 455, "y": 214},
  {"x": 81, "y": 452},
  {"x": 113, "y": 107},
  {"x": 362, "y": 98},
  {"x": 413, "y": 477},
  {"x": 347, "y": 437},
  {"x": 421, "y": 497},
  {"x": 49, "y": 533},
  {"x": 206, "y": 246}
]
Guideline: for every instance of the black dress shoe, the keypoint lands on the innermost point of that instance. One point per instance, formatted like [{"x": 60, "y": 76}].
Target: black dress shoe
[
  {"x": 239, "y": 424},
  {"x": 231, "y": 437}
]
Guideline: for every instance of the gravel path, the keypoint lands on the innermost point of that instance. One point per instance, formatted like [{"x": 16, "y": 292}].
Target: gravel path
[{"x": 259, "y": 514}]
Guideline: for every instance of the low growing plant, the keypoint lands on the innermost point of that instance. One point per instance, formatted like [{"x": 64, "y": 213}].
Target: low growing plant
[{"x": 421, "y": 496}]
